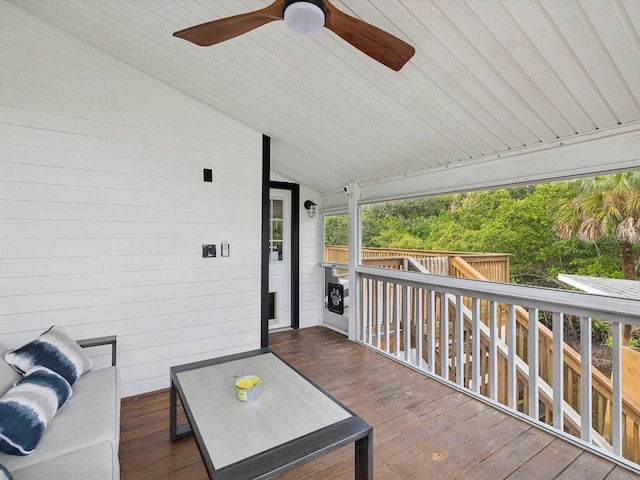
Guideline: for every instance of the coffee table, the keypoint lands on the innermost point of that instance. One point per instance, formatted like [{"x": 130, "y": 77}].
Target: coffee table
[{"x": 292, "y": 422}]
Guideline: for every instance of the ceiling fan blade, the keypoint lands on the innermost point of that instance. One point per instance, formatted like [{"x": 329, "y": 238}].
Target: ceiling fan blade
[
  {"x": 378, "y": 44},
  {"x": 223, "y": 29}
]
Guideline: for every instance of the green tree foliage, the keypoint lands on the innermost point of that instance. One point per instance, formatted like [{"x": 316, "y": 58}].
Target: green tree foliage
[
  {"x": 400, "y": 224},
  {"x": 516, "y": 222},
  {"x": 336, "y": 230},
  {"x": 602, "y": 207},
  {"x": 520, "y": 221},
  {"x": 392, "y": 235}
]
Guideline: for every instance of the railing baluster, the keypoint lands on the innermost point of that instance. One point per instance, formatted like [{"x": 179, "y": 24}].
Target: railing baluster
[
  {"x": 418, "y": 317},
  {"x": 533, "y": 360},
  {"x": 396, "y": 318},
  {"x": 493, "y": 351},
  {"x": 379, "y": 309},
  {"x": 368, "y": 299},
  {"x": 362, "y": 334},
  {"x": 476, "y": 354},
  {"x": 512, "y": 390},
  {"x": 459, "y": 340},
  {"x": 431, "y": 330},
  {"x": 558, "y": 370},
  {"x": 444, "y": 336},
  {"x": 616, "y": 377},
  {"x": 406, "y": 322},
  {"x": 387, "y": 323},
  {"x": 586, "y": 406}
]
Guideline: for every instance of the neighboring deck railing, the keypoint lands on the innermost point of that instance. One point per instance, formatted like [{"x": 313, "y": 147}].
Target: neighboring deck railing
[
  {"x": 493, "y": 266},
  {"x": 476, "y": 333}
]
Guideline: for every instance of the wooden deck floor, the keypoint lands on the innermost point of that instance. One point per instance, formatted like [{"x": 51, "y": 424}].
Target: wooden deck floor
[{"x": 422, "y": 428}]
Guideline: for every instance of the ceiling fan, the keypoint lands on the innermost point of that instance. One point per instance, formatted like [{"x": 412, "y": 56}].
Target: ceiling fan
[{"x": 306, "y": 16}]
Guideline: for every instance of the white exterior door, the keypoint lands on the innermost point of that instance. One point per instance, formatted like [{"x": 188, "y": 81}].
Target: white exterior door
[{"x": 279, "y": 258}]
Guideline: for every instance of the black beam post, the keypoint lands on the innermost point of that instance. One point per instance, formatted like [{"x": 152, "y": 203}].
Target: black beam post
[{"x": 264, "y": 270}]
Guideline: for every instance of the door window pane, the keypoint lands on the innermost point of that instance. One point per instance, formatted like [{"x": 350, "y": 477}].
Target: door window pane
[
  {"x": 276, "y": 230},
  {"x": 277, "y": 209}
]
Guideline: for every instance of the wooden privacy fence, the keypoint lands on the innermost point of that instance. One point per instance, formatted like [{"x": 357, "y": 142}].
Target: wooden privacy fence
[{"x": 480, "y": 338}]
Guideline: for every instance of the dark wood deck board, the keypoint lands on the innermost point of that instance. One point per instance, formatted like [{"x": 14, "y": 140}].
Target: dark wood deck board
[
  {"x": 422, "y": 428},
  {"x": 552, "y": 460}
]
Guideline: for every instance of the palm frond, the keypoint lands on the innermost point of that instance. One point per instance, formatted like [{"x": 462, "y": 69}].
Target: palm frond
[{"x": 627, "y": 231}]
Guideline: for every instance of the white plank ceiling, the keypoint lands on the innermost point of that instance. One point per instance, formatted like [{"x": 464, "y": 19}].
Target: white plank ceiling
[{"x": 488, "y": 77}]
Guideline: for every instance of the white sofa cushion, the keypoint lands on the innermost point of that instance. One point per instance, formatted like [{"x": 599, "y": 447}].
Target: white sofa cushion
[
  {"x": 96, "y": 462},
  {"x": 91, "y": 416}
]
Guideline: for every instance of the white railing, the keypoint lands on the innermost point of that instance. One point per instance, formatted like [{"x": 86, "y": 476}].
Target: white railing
[{"x": 473, "y": 333}]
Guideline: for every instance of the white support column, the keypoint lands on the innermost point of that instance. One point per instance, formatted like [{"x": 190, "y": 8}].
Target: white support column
[{"x": 352, "y": 189}]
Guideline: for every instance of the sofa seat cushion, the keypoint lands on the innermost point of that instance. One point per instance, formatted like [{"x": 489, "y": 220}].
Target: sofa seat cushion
[
  {"x": 27, "y": 408},
  {"x": 54, "y": 349},
  {"x": 91, "y": 416},
  {"x": 95, "y": 462}
]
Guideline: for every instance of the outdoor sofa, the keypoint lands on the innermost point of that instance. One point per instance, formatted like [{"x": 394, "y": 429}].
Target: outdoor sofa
[{"x": 81, "y": 440}]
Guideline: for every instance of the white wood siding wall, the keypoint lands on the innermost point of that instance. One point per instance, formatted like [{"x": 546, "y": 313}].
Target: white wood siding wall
[
  {"x": 103, "y": 209},
  {"x": 310, "y": 257}
]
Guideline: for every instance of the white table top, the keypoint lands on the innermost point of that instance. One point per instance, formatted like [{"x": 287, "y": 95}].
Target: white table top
[{"x": 289, "y": 407}]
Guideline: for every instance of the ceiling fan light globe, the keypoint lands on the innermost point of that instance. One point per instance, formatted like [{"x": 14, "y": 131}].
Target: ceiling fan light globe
[{"x": 304, "y": 17}]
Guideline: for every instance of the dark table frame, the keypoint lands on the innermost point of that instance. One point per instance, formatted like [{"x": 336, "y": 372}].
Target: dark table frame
[{"x": 275, "y": 461}]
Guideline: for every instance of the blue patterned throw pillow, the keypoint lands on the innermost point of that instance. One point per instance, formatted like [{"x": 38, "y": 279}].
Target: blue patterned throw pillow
[
  {"x": 4, "y": 473},
  {"x": 54, "y": 349},
  {"x": 27, "y": 408}
]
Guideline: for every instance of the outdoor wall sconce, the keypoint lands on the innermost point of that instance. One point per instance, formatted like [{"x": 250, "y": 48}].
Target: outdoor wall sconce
[{"x": 311, "y": 207}]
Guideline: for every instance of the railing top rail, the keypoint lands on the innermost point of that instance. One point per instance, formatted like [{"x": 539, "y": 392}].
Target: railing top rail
[
  {"x": 413, "y": 252},
  {"x": 335, "y": 265},
  {"x": 616, "y": 309}
]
